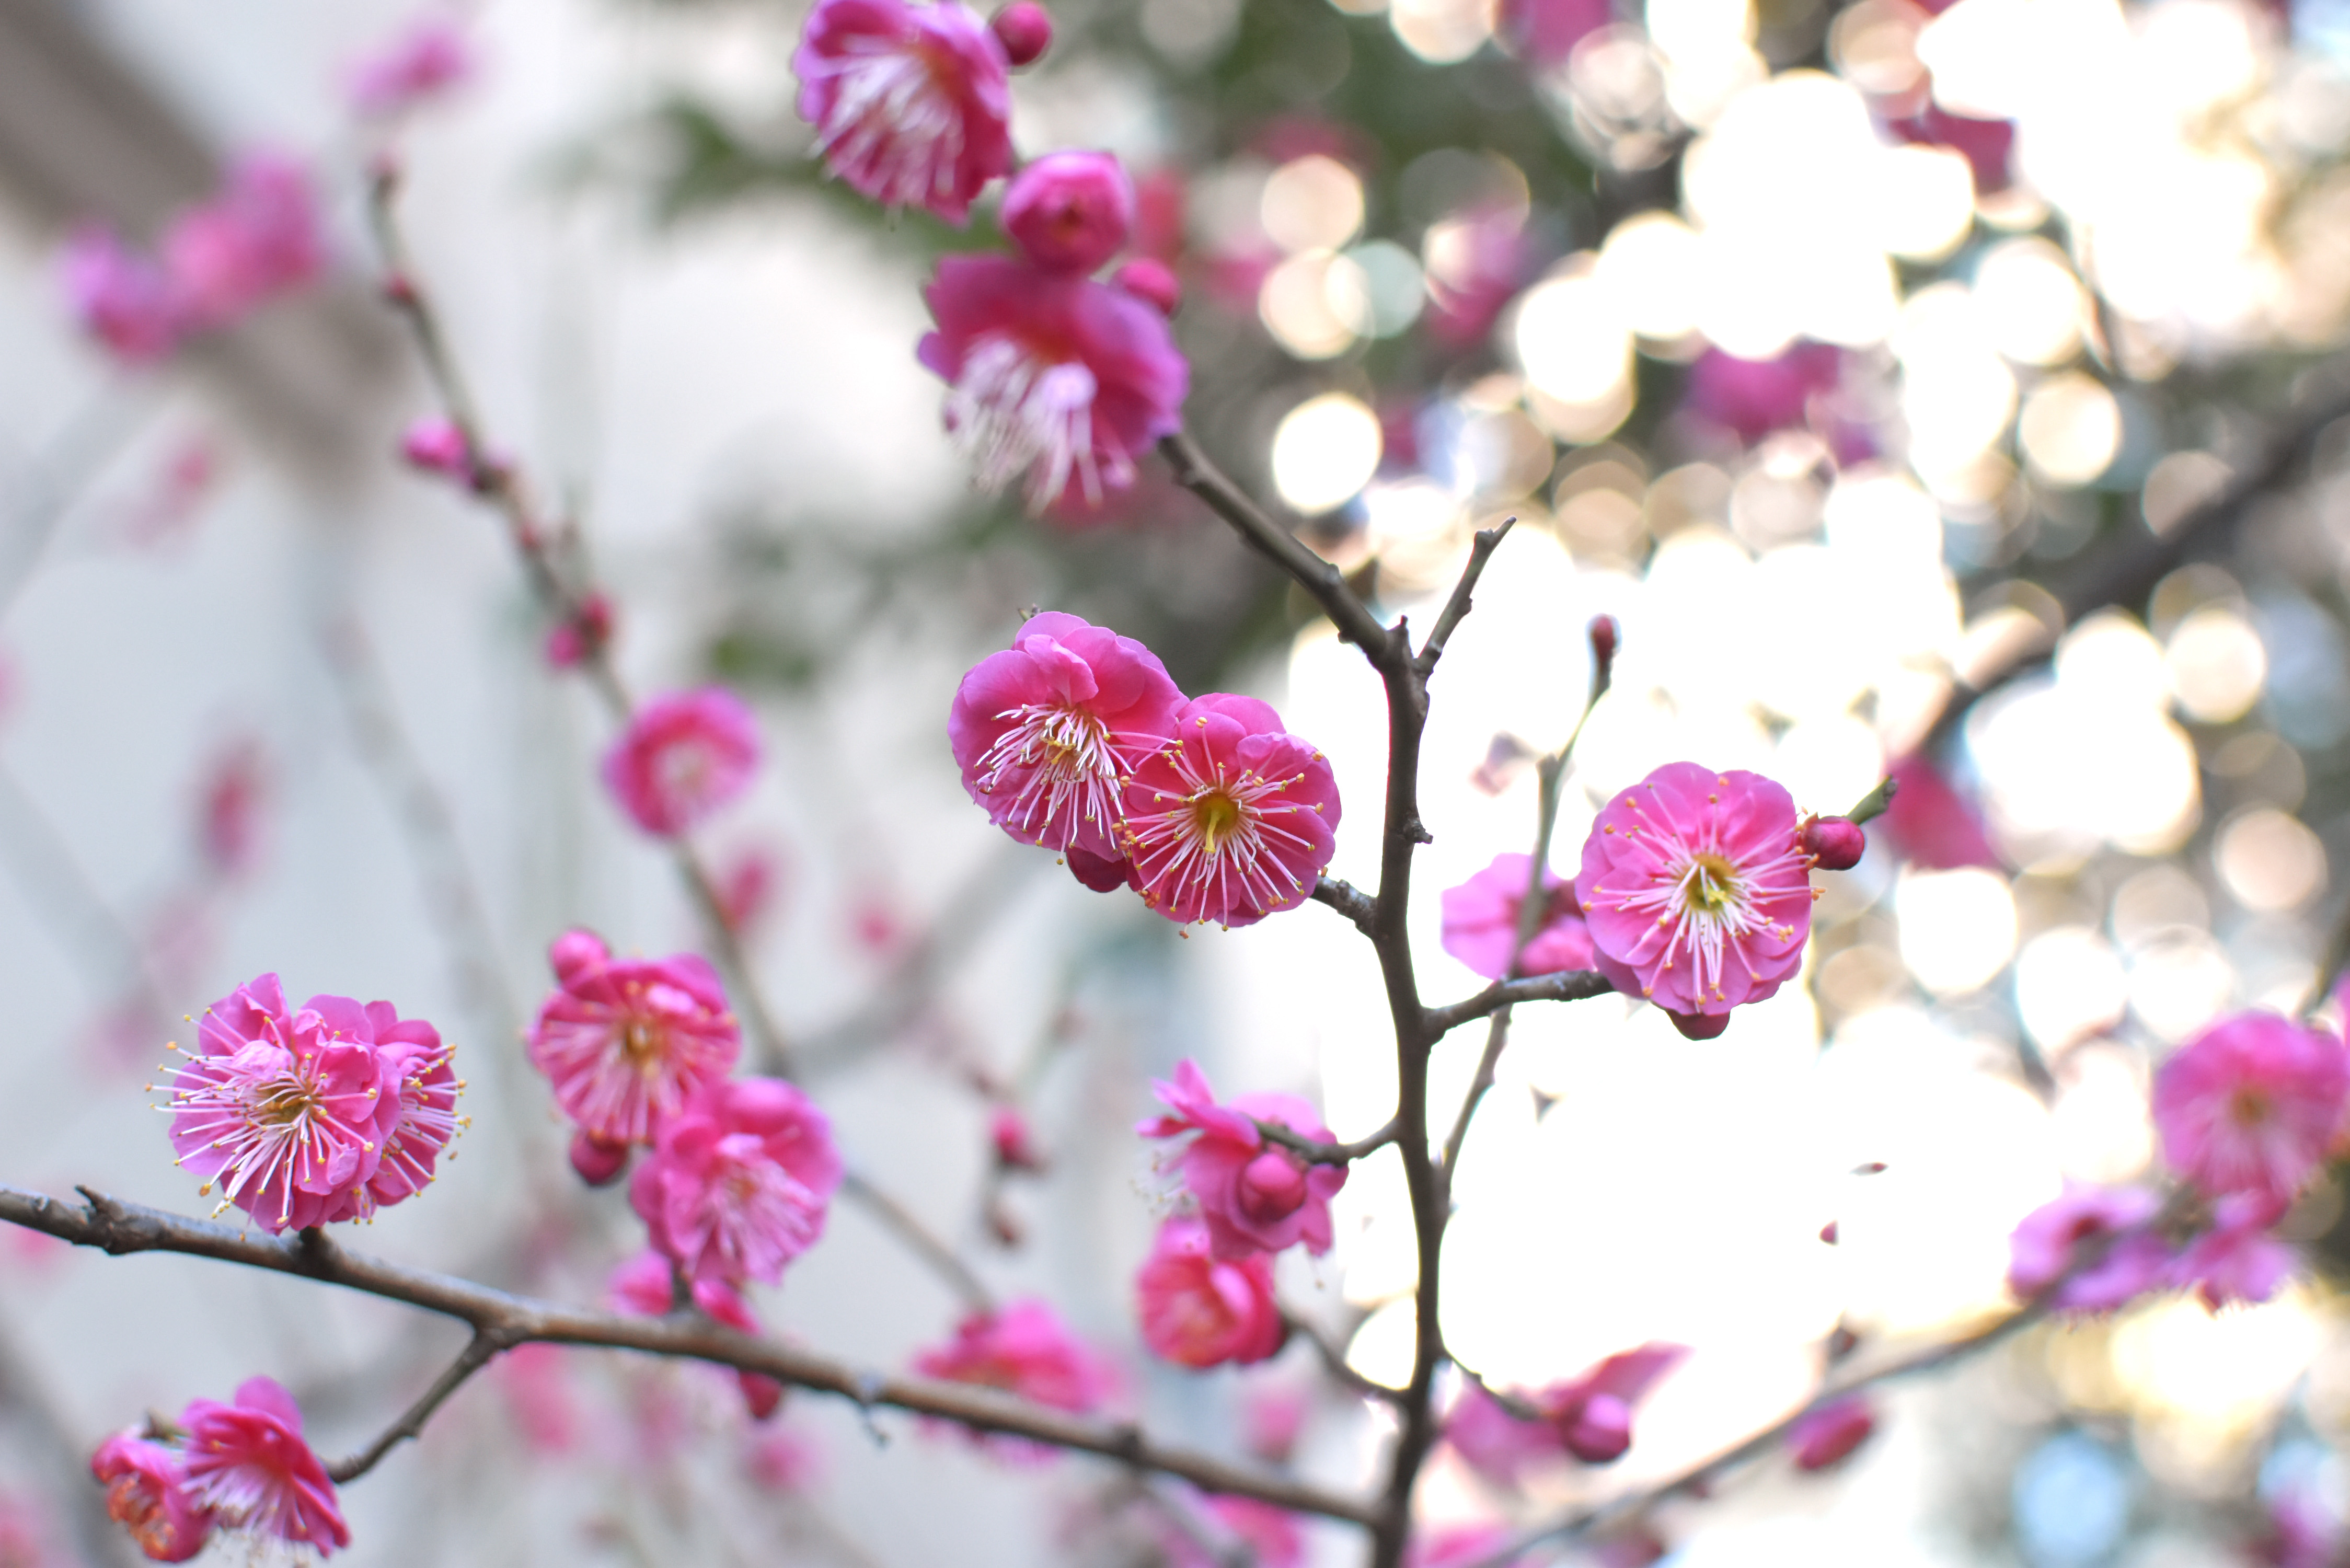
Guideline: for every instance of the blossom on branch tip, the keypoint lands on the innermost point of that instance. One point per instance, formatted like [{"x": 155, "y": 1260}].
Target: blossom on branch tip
[
  {"x": 1200, "y": 1311},
  {"x": 147, "y": 1493},
  {"x": 1821, "y": 1438},
  {"x": 1024, "y": 1349},
  {"x": 1049, "y": 731},
  {"x": 1253, "y": 1195},
  {"x": 627, "y": 1042},
  {"x": 1055, "y": 377},
  {"x": 2252, "y": 1105},
  {"x": 739, "y": 1182},
  {"x": 1069, "y": 212},
  {"x": 1480, "y": 922},
  {"x": 911, "y": 103},
  {"x": 1697, "y": 890},
  {"x": 2046, "y": 1241},
  {"x": 1233, "y": 819},
  {"x": 248, "y": 1464},
  {"x": 420, "y": 64},
  {"x": 306, "y": 1118},
  {"x": 681, "y": 758}
]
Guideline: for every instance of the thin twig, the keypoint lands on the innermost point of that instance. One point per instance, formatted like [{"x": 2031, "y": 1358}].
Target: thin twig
[
  {"x": 476, "y": 1356},
  {"x": 919, "y": 1238},
  {"x": 1333, "y": 1359},
  {"x": 119, "y": 1228},
  {"x": 1347, "y": 900},
  {"x": 1318, "y": 1153},
  {"x": 1566, "y": 985},
  {"x": 1480, "y": 550}
]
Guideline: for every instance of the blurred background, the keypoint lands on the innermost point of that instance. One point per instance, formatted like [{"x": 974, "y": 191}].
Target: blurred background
[{"x": 1948, "y": 391}]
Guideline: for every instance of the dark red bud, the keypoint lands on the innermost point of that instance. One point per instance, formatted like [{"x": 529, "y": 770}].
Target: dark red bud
[
  {"x": 763, "y": 1397},
  {"x": 1698, "y": 1025},
  {"x": 599, "y": 1163},
  {"x": 1600, "y": 1431},
  {"x": 1151, "y": 282},
  {"x": 1024, "y": 29},
  {"x": 1835, "y": 842},
  {"x": 1605, "y": 634}
]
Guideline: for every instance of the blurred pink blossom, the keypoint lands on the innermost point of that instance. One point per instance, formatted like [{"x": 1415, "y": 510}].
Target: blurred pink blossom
[
  {"x": 1232, "y": 821},
  {"x": 1932, "y": 825},
  {"x": 1274, "y": 1412},
  {"x": 2253, "y": 1104},
  {"x": 1544, "y": 32},
  {"x": 2044, "y": 1242},
  {"x": 1047, "y": 731},
  {"x": 749, "y": 880},
  {"x": 1480, "y": 922},
  {"x": 783, "y": 1459},
  {"x": 911, "y": 102},
  {"x": 147, "y": 1493},
  {"x": 121, "y": 297},
  {"x": 1254, "y": 1195},
  {"x": 1588, "y": 1417},
  {"x": 682, "y": 758},
  {"x": 1024, "y": 1349},
  {"x": 1198, "y": 1310},
  {"x": 256, "y": 240},
  {"x": 1751, "y": 398},
  {"x": 570, "y": 643},
  {"x": 232, "y": 794},
  {"x": 1820, "y": 1437},
  {"x": 1052, "y": 376},
  {"x": 1698, "y": 892},
  {"x": 738, "y": 1182},
  {"x": 437, "y": 444},
  {"x": 644, "y": 1286},
  {"x": 537, "y": 1382},
  {"x": 422, "y": 63},
  {"x": 1013, "y": 1140}
]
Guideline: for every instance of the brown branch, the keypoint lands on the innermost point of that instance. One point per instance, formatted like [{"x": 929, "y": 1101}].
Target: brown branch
[
  {"x": 476, "y": 1356},
  {"x": 117, "y": 1228},
  {"x": 1566, "y": 985},
  {"x": 1194, "y": 472},
  {"x": 1318, "y": 1153},
  {"x": 1480, "y": 550},
  {"x": 1347, "y": 900},
  {"x": 1333, "y": 1359}
]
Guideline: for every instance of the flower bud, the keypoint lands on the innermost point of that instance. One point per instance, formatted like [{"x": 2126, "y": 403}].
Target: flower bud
[
  {"x": 1605, "y": 634},
  {"x": 1835, "y": 843},
  {"x": 1024, "y": 29},
  {"x": 1599, "y": 1431},
  {"x": 1829, "y": 1433},
  {"x": 1070, "y": 212},
  {"x": 1151, "y": 282},
  {"x": 1272, "y": 1187},
  {"x": 1698, "y": 1025},
  {"x": 1015, "y": 1148},
  {"x": 599, "y": 1162},
  {"x": 570, "y": 642},
  {"x": 437, "y": 446}
]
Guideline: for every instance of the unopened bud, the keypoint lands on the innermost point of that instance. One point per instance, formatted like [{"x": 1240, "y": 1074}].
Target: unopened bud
[
  {"x": 436, "y": 445},
  {"x": 1151, "y": 282},
  {"x": 1605, "y": 634},
  {"x": 1698, "y": 1025},
  {"x": 599, "y": 1163},
  {"x": 1836, "y": 841},
  {"x": 1024, "y": 29},
  {"x": 1600, "y": 1431},
  {"x": 1015, "y": 1148},
  {"x": 762, "y": 1397}
]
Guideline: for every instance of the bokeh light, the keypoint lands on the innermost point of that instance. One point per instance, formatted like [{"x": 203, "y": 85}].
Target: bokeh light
[{"x": 1323, "y": 451}]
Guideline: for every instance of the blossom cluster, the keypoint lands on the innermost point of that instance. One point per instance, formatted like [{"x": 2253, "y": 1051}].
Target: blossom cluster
[
  {"x": 241, "y": 1468},
  {"x": 258, "y": 239},
  {"x": 1075, "y": 739},
  {"x": 2248, "y": 1112},
  {"x": 1051, "y": 373}
]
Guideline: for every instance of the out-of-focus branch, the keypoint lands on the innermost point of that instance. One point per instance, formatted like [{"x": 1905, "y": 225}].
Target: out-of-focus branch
[
  {"x": 476, "y": 1356},
  {"x": 120, "y": 1228},
  {"x": 61, "y": 892},
  {"x": 941, "y": 1257},
  {"x": 1566, "y": 985}
]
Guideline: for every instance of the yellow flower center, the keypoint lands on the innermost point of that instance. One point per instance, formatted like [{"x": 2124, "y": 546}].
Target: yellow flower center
[
  {"x": 1712, "y": 886},
  {"x": 1217, "y": 816}
]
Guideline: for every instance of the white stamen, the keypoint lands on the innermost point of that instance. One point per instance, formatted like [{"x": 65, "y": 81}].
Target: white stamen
[{"x": 1012, "y": 409}]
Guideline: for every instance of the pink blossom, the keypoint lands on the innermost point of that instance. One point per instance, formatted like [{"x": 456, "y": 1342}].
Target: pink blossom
[
  {"x": 1480, "y": 922},
  {"x": 256, "y": 239},
  {"x": 911, "y": 103},
  {"x": 121, "y": 297},
  {"x": 1457, "y": 1545},
  {"x": 2236, "y": 1260},
  {"x": 781, "y": 1459},
  {"x": 1271, "y": 1535},
  {"x": 626, "y": 1043},
  {"x": 644, "y": 1286},
  {"x": 1820, "y": 1437},
  {"x": 1751, "y": 398},
  {"x": 1198, "y": 1310},
  {"x": 1047, "y": 731},
  {"x": 1026, "y": 1350},
  {"x": 762, "y": 1394},
  {"x": 747, "y": 885},
  {"x": 1476, "y": 261},
  {"x": 738, "y": 1182},
  {"x": 421, "y": 1081},
  {"x": 147, "y": 1493},
  {"x": 1054, "y": 376},
  {"x": 681, "y": 758},
  {"x": 1232, "y": 820},
  {"x": 1544, "y": 32},
  {"x": 1588, "y": 1417},
  {"x": 246, "y": 1462},
  {"x": 436, "y": 444},
  {"x": 536, "y": 1380},
  {"x": 288, "y": 1111},
  {"x": 2044, "y": 1245},
  {"x": 420, "y": 64},
  {"x": 1697, "y": 890},
  {"x": 1254, "y": 1195},
  {"x": 1930, "y": 823},
  {"x": 1069, "y": 212},
  {"x": 2252, "y": 1104}
]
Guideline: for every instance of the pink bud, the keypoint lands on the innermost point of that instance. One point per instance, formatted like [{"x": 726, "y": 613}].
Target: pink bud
[
  {"x": 1015, "y": 1148},
  {"x": 1024, "y": 29},
  {"x": 1151, "y": 282},
  {"x": 436, "y": 445},
  {"x": 1600, "y": 1431},
  {"x": 1272, "y": 1187},
  {"x": 572, "y": 641},
  {"x": 597, "y": 1162},
  {"x": 763, "y": 1397},
  {"x": 1698, "y": 1025},
  {"x": 1070, "y": 212},
  {"x": 1099, "y": 872},
  {"x": 1828, "y": 1232},
  {"x": 1834, "y": 842},
  {"x": 1605, "y": 634},
  {"x": 1829, "y": 1433}
]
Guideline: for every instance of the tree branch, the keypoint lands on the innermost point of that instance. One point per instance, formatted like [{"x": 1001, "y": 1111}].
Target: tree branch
[
  {"x": 119, "y": 1228},
  {"x": 1347, "y": 900},
  {"x": 919, "y": 1238},
  {"x": 1318, "y": 1153},
  {"x": 1566, "y": 985},
  {"x": 1325, "y": 582},
  {"x": 477, "y": 1354},
  {"x": 1480, "y": 550}
]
